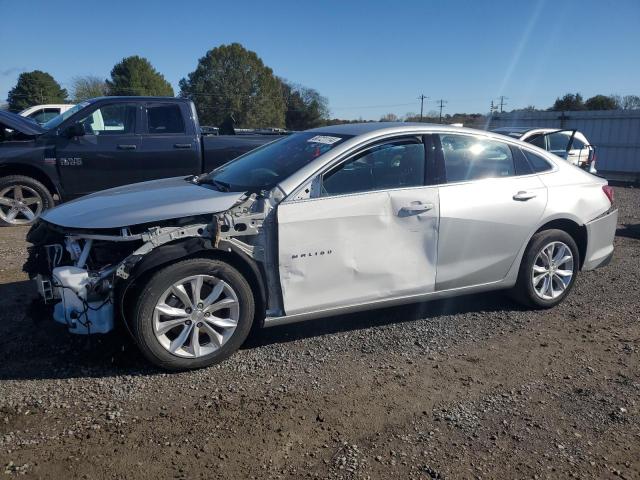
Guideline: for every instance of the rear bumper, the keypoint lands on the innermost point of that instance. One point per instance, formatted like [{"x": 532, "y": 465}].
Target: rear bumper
[{"x": 600, "y": 235}]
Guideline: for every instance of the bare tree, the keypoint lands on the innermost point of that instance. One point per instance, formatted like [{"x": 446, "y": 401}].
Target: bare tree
[
  {"x": 88, "y": 86},
  {"x": 389, "y": 117},
  {"x": 630, "y": 102}
]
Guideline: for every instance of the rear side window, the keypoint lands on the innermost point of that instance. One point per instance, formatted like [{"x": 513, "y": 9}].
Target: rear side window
[
  {"x": 43, "y": 116},
  {"x": 538, "y": 141},
  {"x": 577, "y": 144},
  {"x": 538, "y": 163},
  {"x": 471, "y": 158},
  {"x": 558, "y": 142},
  {"x": 164, "y": 119}
]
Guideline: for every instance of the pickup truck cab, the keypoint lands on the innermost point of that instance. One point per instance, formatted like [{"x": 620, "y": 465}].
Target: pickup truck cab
[{"x": 103, "y": 143}]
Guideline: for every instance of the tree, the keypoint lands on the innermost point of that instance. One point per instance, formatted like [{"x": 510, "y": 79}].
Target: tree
[
  {"x": 35, "y": 88},
  {"x": 528, "y": 108},
  {"x": 601, "y": 102},
  {"x": 88, "y": 86},
  {"x": 389, "y": 117},
  {"x": 304, "y": 107},
  {"x": 568, "y": 103},
  {"x": 136, "y": 76},
  {"x": 231, "y": 80},
  {"x": 630, "y": 102}
]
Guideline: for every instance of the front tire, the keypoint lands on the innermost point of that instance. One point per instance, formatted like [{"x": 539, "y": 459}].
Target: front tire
[
  {"x": 548, "y": 270},
  {"x": 22, "y": 200},
  {"x": 193, "y": 314}
]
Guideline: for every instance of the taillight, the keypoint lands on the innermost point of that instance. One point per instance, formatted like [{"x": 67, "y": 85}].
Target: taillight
[{"x": 608, "y": 191}]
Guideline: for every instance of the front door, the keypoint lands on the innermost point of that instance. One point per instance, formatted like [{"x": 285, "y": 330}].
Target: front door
[
  {"x": 370, "y": 234},
  {"x": 488, "y": 206},
  {"x": 106, "y": 156}
]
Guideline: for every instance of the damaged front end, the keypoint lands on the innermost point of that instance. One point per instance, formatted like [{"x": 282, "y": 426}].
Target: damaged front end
[{"x": 85, "y": 274}]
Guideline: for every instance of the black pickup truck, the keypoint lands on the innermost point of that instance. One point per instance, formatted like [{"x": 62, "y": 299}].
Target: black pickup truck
[{"x": 102, "y": 143}]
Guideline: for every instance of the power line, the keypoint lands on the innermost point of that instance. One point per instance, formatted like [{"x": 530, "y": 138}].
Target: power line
[
  {"x": 441, "y": 103},
  {"x": 502, "y": 102},
  {"x": 422, "y": 98}
]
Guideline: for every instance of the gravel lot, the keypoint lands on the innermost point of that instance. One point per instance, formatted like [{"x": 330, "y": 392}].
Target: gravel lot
[{"x": 473, "y": 387}]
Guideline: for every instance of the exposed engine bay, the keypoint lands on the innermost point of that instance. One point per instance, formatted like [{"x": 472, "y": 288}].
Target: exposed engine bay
[{"x": 85, "y": 274}]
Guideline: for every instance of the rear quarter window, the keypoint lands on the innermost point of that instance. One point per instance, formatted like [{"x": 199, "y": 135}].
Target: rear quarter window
[{"x": 538, "y": 163}]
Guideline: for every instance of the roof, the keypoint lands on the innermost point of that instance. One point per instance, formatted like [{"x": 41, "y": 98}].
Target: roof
[
  {"x": 380, "y": 127},
  {"x": 133, "y": 98}
]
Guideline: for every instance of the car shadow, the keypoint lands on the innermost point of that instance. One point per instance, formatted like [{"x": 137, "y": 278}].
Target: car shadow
[
  {"x": 427, "y": 311},
  {"x": 33, "y": 346},
  {"x": 629, "y": 231}
]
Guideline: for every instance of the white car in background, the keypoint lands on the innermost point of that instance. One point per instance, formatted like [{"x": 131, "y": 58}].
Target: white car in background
[
  {"x": 43, "y": 113},
  {"x": 569, "y": 144}
]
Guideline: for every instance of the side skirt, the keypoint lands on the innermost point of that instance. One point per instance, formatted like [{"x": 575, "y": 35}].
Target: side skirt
[{"x": 300, "y": 317}]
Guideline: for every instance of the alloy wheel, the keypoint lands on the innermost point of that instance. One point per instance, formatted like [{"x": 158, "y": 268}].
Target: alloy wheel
[
  {"x": 19, "y": 204},
  {"x": 552, "y": 271},
  {"x": 196, "y": 316}
]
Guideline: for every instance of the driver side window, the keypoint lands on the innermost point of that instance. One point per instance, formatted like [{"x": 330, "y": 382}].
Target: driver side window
[
  {"x": 115, "y": 119},
  {"x": 390, "y": 165}
]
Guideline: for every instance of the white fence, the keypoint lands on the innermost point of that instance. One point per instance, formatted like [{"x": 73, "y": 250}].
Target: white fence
[{"x": 615, "y": 134}]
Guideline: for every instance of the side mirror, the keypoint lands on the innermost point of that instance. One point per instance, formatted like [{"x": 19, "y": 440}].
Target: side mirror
[{"x": 74, "y": 130}]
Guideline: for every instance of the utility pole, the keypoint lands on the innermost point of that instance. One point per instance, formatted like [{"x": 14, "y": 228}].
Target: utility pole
[
  {"x": 422, "y": 98},
  {"x": 502, "y": 102},
  {"x": 441, "y": 103}
]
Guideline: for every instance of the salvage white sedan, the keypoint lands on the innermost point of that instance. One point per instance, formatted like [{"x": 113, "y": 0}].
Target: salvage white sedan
[{"x": 322, "y": 222}]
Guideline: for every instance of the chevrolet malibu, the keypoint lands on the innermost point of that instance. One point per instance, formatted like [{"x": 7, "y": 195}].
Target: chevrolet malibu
[{"x": 323, "y": 222}]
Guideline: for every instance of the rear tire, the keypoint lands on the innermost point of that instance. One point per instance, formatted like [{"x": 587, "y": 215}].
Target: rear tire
[
  {"x": 192, "y": 314},
  {"x": 548, "y": 270},
  {"x": 22, "y": 200}
]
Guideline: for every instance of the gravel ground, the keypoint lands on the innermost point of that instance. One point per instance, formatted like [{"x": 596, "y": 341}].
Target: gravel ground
[{"x": 473, "y": 387}]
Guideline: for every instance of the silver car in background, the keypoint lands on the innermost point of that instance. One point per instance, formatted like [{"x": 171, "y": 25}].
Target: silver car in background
[{"x": 322, "y": 222}]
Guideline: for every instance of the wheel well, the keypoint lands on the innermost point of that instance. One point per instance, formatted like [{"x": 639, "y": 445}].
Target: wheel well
[
  {"x": 577, "y": 232},
  {"x": 29, "y": 171},
  {"x": 128, "y": 292}
]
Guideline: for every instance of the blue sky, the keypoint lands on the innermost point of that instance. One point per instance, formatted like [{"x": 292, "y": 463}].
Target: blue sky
[{"x": 368, "y": 57}]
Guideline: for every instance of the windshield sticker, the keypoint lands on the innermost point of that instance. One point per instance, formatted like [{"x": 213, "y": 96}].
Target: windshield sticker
[{"x": 324, "y": 139}]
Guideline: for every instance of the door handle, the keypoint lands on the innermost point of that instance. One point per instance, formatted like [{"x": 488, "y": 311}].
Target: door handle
[
  {"x": 127, "y": 147},
  {"x": 415, "y": 208},
  {"x": 181, "y": 145},
  {"x": 523, "y": 196}
]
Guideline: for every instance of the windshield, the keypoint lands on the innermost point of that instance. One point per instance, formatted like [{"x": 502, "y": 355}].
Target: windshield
[
  {"x": 265, "y": 167},
  {"x": 55, "y": 121}
]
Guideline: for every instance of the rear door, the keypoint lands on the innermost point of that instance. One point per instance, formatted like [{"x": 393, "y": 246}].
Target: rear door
[
  {"x": 170, "y": 147},
  {"x": 107, "y": 155},
  {"x": 489, "y": 204},
  {"x": 370, "y": 233}
]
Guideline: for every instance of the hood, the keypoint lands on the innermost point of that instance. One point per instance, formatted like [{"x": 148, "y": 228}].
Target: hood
[
  {"x": 141, "y": 203},
  {"x": 20, "y": 124}
]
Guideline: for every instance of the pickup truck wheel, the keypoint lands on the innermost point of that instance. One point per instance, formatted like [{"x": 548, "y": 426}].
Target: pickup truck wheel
[
  {"x": 193, "y": 314},
  {"x": 22, "y": 200},
  {"x": 548, "y": 270}
]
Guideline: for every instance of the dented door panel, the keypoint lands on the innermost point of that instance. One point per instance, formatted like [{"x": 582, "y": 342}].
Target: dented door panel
[{"x": 345, "y": 250}]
